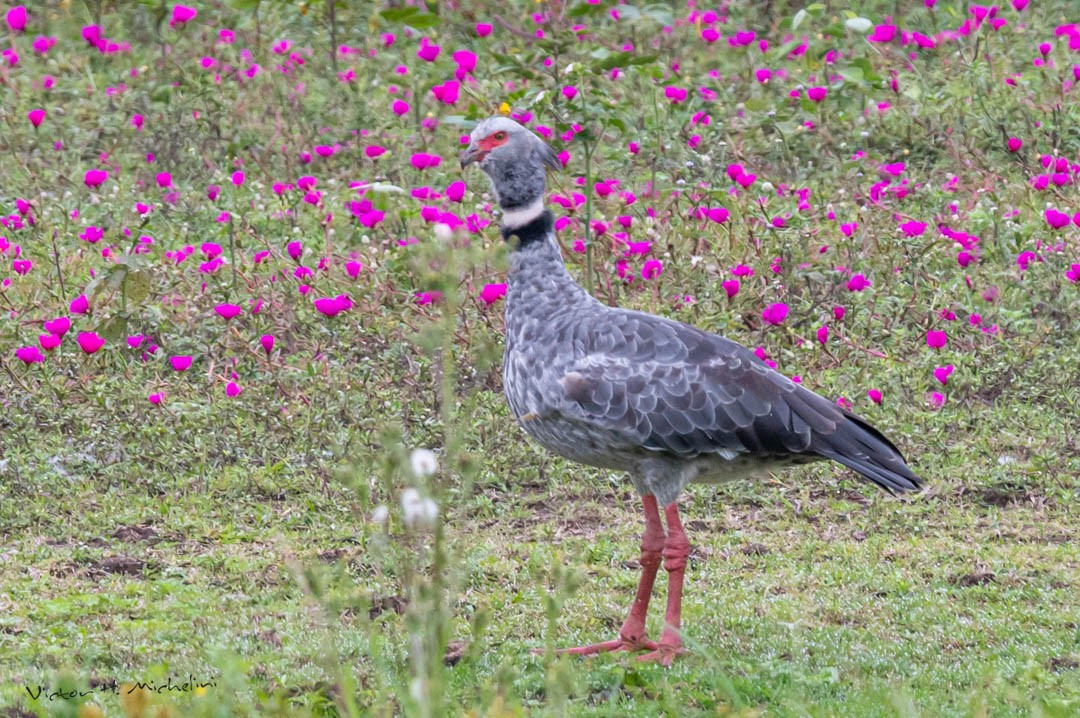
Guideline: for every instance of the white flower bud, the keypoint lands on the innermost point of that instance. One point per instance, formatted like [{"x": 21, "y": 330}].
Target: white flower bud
[{"x": 423, "y": 462}]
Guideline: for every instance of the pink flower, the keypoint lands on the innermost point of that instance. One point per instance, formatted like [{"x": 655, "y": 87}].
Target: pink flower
[
  {"x": 422, "y": 160},
  {"x": 937, "y": 399},
  {"x": 89, "y": 342},
  {"x": 492, "y": 293},
  {"x": 164, "y": 179},
  {"x": 942, "y": 373},
  {"x": 400, "y": 107},
  {"x": 427, "y": 51},
  {"x": 228, "y": 311},
  {"x": 295, "y": 249},
  {"x": 1014, "y": 144},
  {"x": 1073, "y": 273},
  {"x": 29, "y": 355},
  {"x": 745, "y": 180},
  {"x": 267, "y": 342},
  {"x": 237, "y": 178},
  {"x": 775, "y": 313},
  {"x": 58, "y": 326},
  {"x": 652, "y": 269},
  {"x": 882, "y": 33},
  {"x": 352, "y": 268},
  {"x": 569, "y": 92},
  {"x": 49, "y": 342},
  {"x": 936, "y": 339},
  {"x": 823, "y": 334},
  {"x": 16, "y": 18},
  {"x": 374, "y": 151},
  {"x": 817, "y": 94},
  {"x": 1056, "y": 219},
  {"x": 79, "y": 305},
  {"x": 180, "y": 363},
  {"x": 858, "y": 283},
  {"x": 718, "y": 214},
  {"x": 447, "y": 92},
  {"x": 455, "y": 192},
  {"x": 912, "y": 228},
  {"x": 95, "y": 178},
  {"x": 330, "y": 306},
  {"x": 874, "y": 395},
  {"x": 731, "y": 286},
  {"x": 36, "y": 117},
  {"x": 182, "y": 14},
  {"x": 483, "y": 29},
  {"x": 232, "y": 390},
  {"x": 156, "y": 397},
  {"x": 838, "y": 313}
]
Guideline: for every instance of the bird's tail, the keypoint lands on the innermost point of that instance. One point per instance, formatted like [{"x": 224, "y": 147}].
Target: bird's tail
[{"x": 864, "y": 449}]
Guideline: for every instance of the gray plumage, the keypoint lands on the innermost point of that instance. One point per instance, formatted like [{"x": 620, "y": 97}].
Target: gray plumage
[{"x": 619, "y": 389}]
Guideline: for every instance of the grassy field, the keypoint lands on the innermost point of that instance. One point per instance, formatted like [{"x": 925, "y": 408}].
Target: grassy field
[{"x": 243, "y": 281}]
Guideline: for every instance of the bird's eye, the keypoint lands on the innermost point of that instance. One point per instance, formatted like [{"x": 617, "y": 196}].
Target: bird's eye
[{"x": 500, "y": 136}]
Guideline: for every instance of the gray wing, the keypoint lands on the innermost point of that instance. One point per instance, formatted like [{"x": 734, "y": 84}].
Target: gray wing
[{"x": 668, "y": 387}]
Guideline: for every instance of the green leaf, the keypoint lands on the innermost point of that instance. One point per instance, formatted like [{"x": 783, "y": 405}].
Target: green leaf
[
  {"x": 798, "y": 19},
  {"x": 411, "y": 16}
]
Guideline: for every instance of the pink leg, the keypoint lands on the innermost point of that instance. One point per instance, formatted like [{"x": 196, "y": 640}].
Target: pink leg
[
  {"x": 676, "y": 549},
  {"x": 632, "y": 635}
]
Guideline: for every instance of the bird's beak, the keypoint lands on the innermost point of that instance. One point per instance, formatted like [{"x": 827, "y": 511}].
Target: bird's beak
[{"x": 471, "y": 154}]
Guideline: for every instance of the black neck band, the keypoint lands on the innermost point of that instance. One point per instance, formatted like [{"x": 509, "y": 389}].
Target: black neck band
[{"x": 535, "y": 231}]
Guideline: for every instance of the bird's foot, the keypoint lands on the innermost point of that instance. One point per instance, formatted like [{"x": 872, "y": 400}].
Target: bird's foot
[
  {"x": 665, "y": 651},
  {"x": 622, "y": 643}
]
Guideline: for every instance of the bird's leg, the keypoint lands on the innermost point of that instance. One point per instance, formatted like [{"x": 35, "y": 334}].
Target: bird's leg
[
  {"x": 632, "y": 634},
  {"x": 676, "y": 549}
]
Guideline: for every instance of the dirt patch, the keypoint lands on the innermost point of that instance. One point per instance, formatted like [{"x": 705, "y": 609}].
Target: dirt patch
[
  {"x": 381, "y": 605},
  {"x": 975, "y": 578},
  {"x": 135, "y": 534}
]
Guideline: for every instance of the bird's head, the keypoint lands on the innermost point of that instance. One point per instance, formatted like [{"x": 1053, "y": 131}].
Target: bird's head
[{"x": 514, "y": 159}]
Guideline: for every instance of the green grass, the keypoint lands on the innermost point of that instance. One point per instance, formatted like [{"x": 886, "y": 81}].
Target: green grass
[{"x": 235, "y": 540}]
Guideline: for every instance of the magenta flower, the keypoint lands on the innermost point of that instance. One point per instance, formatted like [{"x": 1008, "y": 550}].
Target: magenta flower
[
  {"x": 36, "y": 117},
  {"x": 374, "y": 151},
  {"x": 400, "y": 107},
  {"x": 882, "y": 33},
  {"x": 182, "y": 14},
  {"x": 1073, "y": 273},
  {"x": 912, "y": 228},
  {"x": 455, "y": 192},
  {"x": 427, "y": 51},
  {"x": 352, "y": 268},
  {"x": 858, "y": 283},
  {"x": 466, "y": 62},
  {"x": 295, "y": 249},
  {"x": 49, "y": 342},
  {"x": 29, "y": 355},
  {"x": 817, "y": 94},
  {"x": 775, "y": 313},
  {"x": 731, "y": 287},
  {"x": 267, "y": 342},
  {"x": 330, "y": 306},
  {"x": 483, "y": 29},
  {"x": 89, "y": 342},
  {"x": 16, "y": 18},
  {"x": 652, "y": 269},
  {"x": 228, "y": 311},
  {"x": 1056, "y": 219},
  {"x": 180, "y": 363},
  {"x": 422, "y": 160},
  {"x": 569, "y": 92},
  {"x": 237, "y": 178},
  {"x": 58, "y": 326},
  {"x": 937, "y": 399},
  {"x": 823, "y": 334},
  {"x": 79, "y": 305},
  {"x": 1014, "y": 144},
  {"x": 745, "y": 180},
  {"x": 675, "y": 94},
  {"x": 874, "y": 395},
  {"x": 718, "y": 214},
  {"x": 936, "y": 339},
  {"x": 492, "y": 293},
  {"x": 232, "y": 390},
  {"x": 849, "y": 228},
  {"x": 156, "y": 397},
  {"x": 838, "y": 313},
  {"x": 95, "y": 178},
  {"x": 164, "y": 179},
  {"x": 942, "y": 373}
]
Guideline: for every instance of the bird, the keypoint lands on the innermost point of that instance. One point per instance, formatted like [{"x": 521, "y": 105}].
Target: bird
[{"x": 664, "y": 401}]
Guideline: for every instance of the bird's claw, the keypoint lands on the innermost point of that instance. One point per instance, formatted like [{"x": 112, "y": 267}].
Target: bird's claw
[
  {"x": 664, "y": 654},
  {"x": 641, "y": 643}
]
